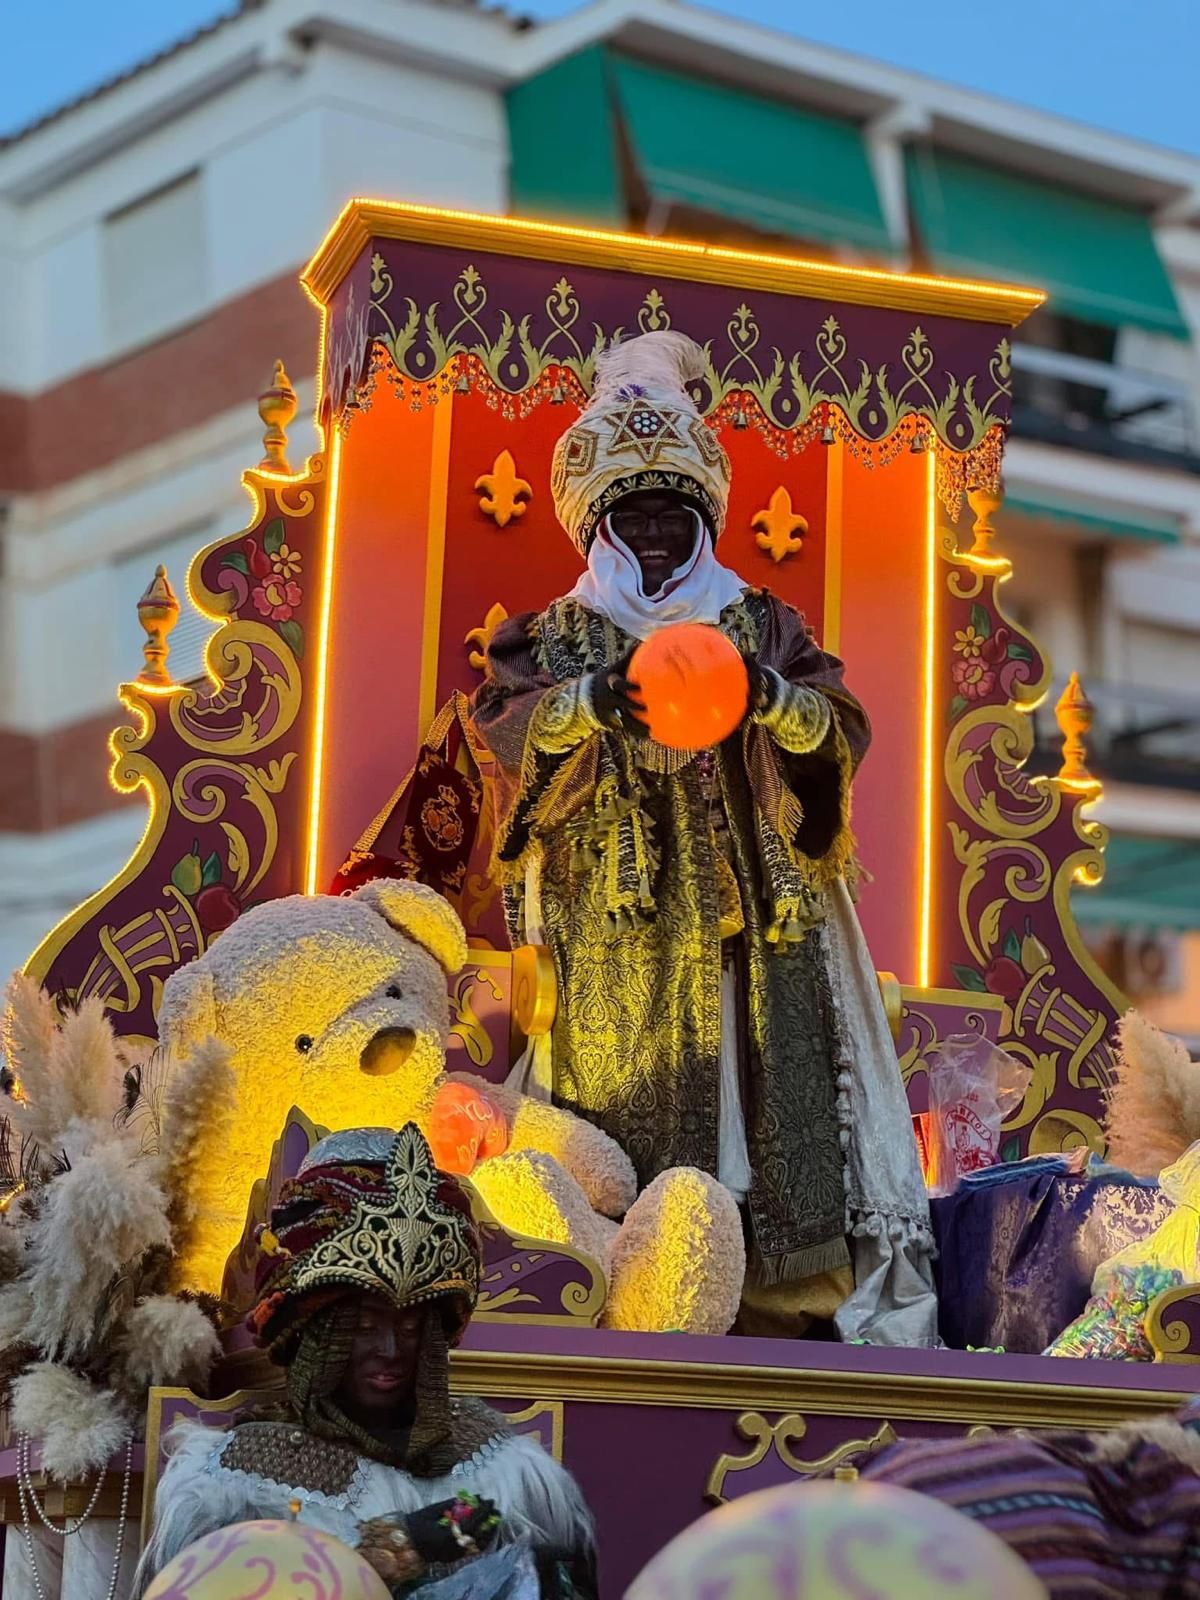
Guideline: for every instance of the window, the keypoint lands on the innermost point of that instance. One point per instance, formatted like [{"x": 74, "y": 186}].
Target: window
[
  {"x": 189, "y": 635},
  {"x": 154, "y": 262}
]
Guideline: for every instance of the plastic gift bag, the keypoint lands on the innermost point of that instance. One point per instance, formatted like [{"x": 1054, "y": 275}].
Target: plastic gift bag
[
  {"x": 973, "y": 1086},
  {"x": 507, "y": 1574}
]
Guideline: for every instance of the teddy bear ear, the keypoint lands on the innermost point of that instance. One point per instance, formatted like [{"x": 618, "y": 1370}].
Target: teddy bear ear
[
  {"x": 423, "y": 914},
  {"x": 188, "y": 1012}
]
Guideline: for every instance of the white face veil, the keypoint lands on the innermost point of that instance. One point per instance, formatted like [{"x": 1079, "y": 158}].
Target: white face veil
[{"x": 697, "y": 591}]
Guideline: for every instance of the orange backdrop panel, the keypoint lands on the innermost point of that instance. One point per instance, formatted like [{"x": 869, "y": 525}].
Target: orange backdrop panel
[
  {"x": 408, "y": 503},
  {"x": 882, "y": 632},
  {"x": 529, "y": 562},
  {"x": 376, "y": 622}
]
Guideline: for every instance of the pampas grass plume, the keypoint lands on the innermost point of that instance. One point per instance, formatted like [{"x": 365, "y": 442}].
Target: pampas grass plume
[
  {"x": 79, "y": 1426},
  {"x": 28, "y": 1033},
  {"x": 1154, "y": 1106},
  {"x": 88, "y": 1065},
  {"x": 198, "y": 1107},
  {"x": 168, "y": 1341},
  {"x": 68, "y": 1074},
  {"x": 101, "y": 1216},
  {"x": 16, "y": 1315}
]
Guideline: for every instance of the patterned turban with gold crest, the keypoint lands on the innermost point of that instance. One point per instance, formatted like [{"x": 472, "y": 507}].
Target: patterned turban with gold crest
[
  {"x": 640, "y": 431},
  {"x": 368, "y": 1212}
]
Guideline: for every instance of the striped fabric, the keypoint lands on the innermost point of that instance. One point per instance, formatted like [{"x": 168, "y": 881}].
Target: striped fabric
[{"x": 1089, "y": 1526}]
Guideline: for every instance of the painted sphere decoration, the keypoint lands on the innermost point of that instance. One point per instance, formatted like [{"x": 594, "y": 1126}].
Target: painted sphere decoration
[
  {"x": 268, "y": 1561},
  {"x": 836, "y": 1541},
  {"x": 693, "y": 683}
]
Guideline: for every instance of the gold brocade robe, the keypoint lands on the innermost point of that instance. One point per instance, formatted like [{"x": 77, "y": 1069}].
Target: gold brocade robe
[{"x": 632, "y": 892}]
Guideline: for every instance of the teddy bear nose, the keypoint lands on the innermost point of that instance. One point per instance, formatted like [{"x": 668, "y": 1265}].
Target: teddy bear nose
[{"x": 387, "y": 1051}]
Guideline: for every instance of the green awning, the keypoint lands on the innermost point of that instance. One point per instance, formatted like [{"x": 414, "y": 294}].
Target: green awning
[
  {"x": 1148, "y": 883},
  {"x": 1097, "y": 260},
  {"x": 760, "y": 162},
  {"x": 563, "y": 144},
  {"x": 1144, "y": 527}
]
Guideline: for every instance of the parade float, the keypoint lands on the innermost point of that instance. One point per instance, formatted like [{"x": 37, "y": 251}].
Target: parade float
[{"x": 865, "y": 415}]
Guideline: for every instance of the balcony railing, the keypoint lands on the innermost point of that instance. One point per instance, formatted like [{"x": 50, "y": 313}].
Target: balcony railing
[
  {"x": 1096, "y": 405},
  {"x": 1146, "y": 736}
]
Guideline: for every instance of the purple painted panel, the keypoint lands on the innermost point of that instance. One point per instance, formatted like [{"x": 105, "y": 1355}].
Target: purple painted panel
[
  {"x": 803, "y": 1355},
  {"x": 225, "y": 766},
  {"x": 414, "y": 309},
  {"x": 647, "y": 1469},
  {"x": 1012, "y": 848},
  {"x": 928, "y": 1017},
  {"x": 540, "y": 1282},
  {"x": 480, "y": 1006},
  {"x": 1174, "y": 1325}
]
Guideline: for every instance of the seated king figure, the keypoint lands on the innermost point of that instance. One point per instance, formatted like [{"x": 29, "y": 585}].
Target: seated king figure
[
  {"x": 369, "y": 1275},
  {"x": 717, "y": 1004}
]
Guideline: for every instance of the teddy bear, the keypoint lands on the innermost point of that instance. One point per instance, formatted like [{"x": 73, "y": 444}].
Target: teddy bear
[{"x": 338, "y": 1004}]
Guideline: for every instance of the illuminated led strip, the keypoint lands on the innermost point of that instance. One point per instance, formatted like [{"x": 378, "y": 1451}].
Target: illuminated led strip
[
  {"x": 362, "y": 219},
  {"x": 928, "y": 725},
  {"x": 321, "y": 683}
]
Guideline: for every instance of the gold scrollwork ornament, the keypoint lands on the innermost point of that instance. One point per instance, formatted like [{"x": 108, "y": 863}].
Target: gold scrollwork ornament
[{"x": 764, "y": 1436}]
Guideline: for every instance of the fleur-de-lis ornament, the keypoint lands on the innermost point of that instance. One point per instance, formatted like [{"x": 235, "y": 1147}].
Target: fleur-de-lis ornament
[
  {"x": 502, "y": 494},
  {"x": 481, "y": 637},
  {"x": 779, "y": 530}
]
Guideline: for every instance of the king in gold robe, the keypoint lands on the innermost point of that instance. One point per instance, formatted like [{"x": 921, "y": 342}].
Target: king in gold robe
[{"x": 716, "y": 1005}]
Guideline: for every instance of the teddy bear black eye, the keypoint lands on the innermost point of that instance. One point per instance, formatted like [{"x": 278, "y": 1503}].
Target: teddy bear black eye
[
  {"x": 395, "y": 992},
  {"x": 304, "y": 1044}
]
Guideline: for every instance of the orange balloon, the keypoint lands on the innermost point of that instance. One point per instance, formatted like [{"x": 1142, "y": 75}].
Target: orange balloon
[{"x": 693, "y": 683}]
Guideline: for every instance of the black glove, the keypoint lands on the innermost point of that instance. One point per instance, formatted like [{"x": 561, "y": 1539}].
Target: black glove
[
  {"x": 451, "y": 1529},
  {"x": 615, "y": 700}
]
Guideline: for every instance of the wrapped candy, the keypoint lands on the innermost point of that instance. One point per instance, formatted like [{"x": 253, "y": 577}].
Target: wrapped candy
[{"x": 1113, "y": 1323}]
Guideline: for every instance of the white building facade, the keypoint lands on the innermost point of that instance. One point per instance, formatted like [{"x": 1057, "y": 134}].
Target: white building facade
[{"x": 150, "y": 241}]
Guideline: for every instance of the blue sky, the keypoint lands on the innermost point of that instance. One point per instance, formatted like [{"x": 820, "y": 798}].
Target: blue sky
[{"x": 1127, "y": 65}]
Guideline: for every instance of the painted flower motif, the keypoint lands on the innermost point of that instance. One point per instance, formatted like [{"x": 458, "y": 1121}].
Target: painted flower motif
[
  {"x": 277, "y": 597},
  {"x": 286, "y": 561},
  {"x": 973, "y": 679},
  {"x": 968, "y": 642}
]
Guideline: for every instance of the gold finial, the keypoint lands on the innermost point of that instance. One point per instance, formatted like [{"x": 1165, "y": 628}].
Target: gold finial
[
  {"x": 1074, "y": 713},
  {"x": 158, "y": 612},
  {"x": 277, "y": 407},
  {"x": 845, "y": 1474},
  {"x": 984, "y": 502}
]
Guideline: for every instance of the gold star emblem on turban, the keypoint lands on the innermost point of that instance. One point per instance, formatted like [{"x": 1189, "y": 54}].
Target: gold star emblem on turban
[{"x": 646, "y": 428}]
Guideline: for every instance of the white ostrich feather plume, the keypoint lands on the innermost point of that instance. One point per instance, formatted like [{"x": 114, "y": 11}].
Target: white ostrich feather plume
[{"x": 661, "y": 364}]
